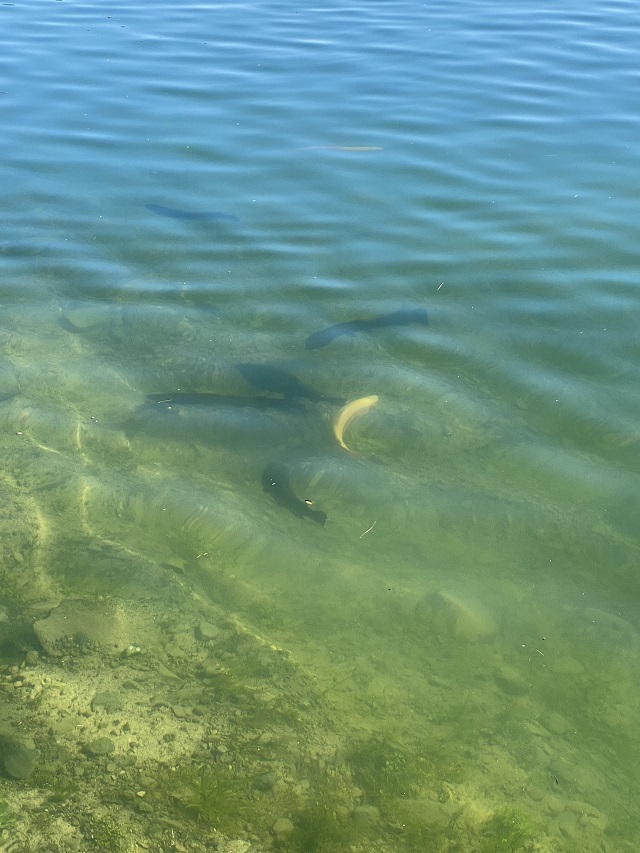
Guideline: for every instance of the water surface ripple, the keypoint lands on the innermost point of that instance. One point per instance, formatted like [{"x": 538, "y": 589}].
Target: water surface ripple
[{"x": 320, "y": 167}]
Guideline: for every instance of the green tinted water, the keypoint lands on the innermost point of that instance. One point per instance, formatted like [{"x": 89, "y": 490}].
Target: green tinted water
[{"x": 450, "y": 662}]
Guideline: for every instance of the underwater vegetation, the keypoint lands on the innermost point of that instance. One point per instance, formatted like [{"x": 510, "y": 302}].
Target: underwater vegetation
[
  {"x": 320, "y": 827},
  {"x": 212, "y": 795},
  {"x": 384, "y": 771},
  {"x": 105, "y": 834},
  {"x": 322, "y": 814},
  {"x": 508, "y": 831},
  {"x": 396, "y": 780},
  {"x": 7, "y": 817}
]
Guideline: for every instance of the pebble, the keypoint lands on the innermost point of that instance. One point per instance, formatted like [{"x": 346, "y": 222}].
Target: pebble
[
  {"x": 236, "y": 845},
  {"x": 426, "y": 813},
  {"x": 366, "y": 815},
  {"x": 510, "y": 681},
  {"x": 207, "y": 631},
  {"x": 65, "y": 726},
  {"x": 557, "y": 724},
  {"x": 18, "y": 754},
  {"x": 265, "y": 781},
  {"x": 100, "y": 746},
  {"x": 536, "y": 728},
  {"x": 283, "y": 827},
  {"x": 108, "y": 701},
  {"x": 19, "y": 758}
]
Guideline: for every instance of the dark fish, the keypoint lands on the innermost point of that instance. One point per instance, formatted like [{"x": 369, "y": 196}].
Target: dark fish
[
  {"x": 396, "y": 318},
  {"x": 193, "y": 215},
  {"x": 182, "y": 398},
  {"x": 273, "y": 380},
  {"x": 275, "y": 480}
]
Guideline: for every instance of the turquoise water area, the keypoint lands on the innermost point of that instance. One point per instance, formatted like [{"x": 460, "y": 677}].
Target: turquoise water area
[{"x": 189, "y": 193}]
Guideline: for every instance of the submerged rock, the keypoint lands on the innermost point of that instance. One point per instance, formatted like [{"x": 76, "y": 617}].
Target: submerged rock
[
  {"x": 18, "y": 755},
  {"x": 83, "y": 317},
  {"x": 366, "y": 815},
  {"x": 452, "y": 616},
  {"x": 79, "y": 623},
  {"x": 283, "y": 828},
  {"x": 100, "y": 746},
  {"x": 9, "y": 385},
  {"x": 511, "y": 681},
  {"x": 107, "y": 701},
  {"x": 425, "y": 814}
]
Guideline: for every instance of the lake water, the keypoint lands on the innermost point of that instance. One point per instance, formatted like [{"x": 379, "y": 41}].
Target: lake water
[{"x": 189, "y": 192}]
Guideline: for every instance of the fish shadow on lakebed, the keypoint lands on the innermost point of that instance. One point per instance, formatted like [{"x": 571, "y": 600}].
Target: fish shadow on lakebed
[
  {"x": 404, "y": 317},
  {"x": 279, "y": 412},
  {"x": 278, "y": 417},
  {"x": 275, "y": 380},
  {"x": 276, "y": 482},
  {"x": 218, "y": 420}
]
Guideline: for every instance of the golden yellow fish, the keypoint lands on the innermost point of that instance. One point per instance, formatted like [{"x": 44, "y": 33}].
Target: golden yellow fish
[{"x": 348, "y": 413}]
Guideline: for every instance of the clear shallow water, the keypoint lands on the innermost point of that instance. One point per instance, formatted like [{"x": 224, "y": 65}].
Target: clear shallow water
[{"x": 477, "y": 162}]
